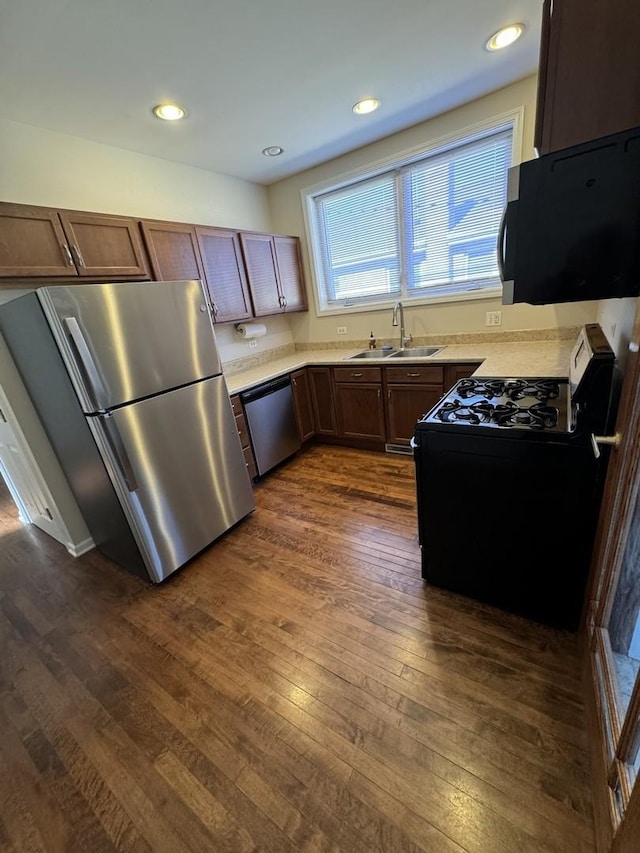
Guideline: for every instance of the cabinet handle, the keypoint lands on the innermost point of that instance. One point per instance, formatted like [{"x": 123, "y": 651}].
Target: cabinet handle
[
  {"x": 77, "y": 253},
  {"x": 284, "y": 300},
  {"x": 379, "y": 393},
  {"x": 389, "y": 394},
  {"x": 214, "y": 309},
  {"x": 65, "y": 249},
  {"x": 2, "y": 417},
  {"x": 413, "y": 375},
  {"x": 356, "y": 375}
]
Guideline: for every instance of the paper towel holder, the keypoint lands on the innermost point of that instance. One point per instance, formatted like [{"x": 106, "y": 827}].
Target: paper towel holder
[{"x": 250, "y": 330}]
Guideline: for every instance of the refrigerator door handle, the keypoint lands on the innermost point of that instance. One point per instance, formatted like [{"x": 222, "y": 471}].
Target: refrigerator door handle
[
  {"x": 88, "y": 365},
  {"x": 120, "y": 453}
]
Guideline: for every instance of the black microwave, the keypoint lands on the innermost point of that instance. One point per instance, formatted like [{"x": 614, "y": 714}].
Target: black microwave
[{"x": 571, "y": 227}]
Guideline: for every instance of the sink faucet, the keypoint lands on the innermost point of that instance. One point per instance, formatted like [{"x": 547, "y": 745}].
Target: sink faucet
[{"x": 399, "y": 309}]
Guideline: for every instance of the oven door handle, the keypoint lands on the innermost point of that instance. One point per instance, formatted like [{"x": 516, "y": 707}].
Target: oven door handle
[{"x": 610, "y": 440}]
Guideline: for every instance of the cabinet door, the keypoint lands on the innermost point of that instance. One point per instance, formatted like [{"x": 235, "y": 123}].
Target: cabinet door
[
  {"x": 405, "y": 405},
  {"x": 454, "y": 372},
  {"x": 302, "y": 403},
  {"x": 106, "y": 246},
  {"x": 590, "y": 74},
  {"x": 322, "y": 400},
  {"x": 173, "y": 251},
  {"x": 225, "y": 276},
  {"x": 292, "y": 289},
  {"x": 360, "y": 411},
  {"x": 262, "y": 273},
  {"x": 32, "y": 243}
]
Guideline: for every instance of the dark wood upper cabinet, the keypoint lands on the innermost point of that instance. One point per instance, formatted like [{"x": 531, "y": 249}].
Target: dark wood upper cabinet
[
  {"x": 262, "y": 273},
  {"x": 106, "y": 246},
  {"x": 173, "y": 251},
  {"x": 274, "y": 273},
  {"x": 589, "y": 77},
  {"x": 32, "y": 243},
  {"x": 224, "y": 274},
  {"x": 292, "y": 289}
]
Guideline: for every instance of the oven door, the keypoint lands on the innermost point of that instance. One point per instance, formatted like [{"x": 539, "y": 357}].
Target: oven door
[{"x": 508, "y": 521}]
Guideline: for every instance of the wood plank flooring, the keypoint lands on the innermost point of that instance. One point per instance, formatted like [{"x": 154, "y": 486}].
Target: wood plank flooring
[{"x": 295, "y": 688}]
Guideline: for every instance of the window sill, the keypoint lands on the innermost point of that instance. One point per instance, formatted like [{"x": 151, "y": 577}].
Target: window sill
[{"x": 411, "y": 302}]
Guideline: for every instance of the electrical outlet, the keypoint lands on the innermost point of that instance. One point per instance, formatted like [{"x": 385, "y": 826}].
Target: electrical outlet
[
  {"x": 494, "y": 318},
  {"x": 341, "y": 330},
  {"x": 253, "y": 344}
]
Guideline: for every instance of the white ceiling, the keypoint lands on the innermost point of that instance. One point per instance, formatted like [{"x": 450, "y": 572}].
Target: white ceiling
[{"x": 251, "y": 73}]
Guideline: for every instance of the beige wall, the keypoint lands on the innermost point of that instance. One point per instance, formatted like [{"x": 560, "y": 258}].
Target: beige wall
[
  {"x": 287, "y": 217},
  {"x": 53, "y": 169}
]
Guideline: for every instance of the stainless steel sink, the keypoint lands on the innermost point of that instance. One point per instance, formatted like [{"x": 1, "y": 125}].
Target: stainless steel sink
[
  {"x": 372, "y": 353},
  {"x": 416, "y": 352}
]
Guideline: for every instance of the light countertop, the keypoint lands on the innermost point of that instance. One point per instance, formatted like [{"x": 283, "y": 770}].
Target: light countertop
[{"x": 514, "y": 359}]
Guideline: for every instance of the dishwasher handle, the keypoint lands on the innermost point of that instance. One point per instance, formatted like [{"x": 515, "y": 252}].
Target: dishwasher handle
[{"x": 264, "y": 389}]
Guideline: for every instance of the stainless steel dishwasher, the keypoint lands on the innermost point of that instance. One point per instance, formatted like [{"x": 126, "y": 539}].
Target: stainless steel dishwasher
[{"x": 271, "y": 419}]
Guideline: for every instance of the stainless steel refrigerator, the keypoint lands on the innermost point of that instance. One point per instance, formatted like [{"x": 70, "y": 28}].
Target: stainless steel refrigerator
[{"x": 127, "y": 381}]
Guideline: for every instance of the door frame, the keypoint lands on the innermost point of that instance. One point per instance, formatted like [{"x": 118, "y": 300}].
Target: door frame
[
  {"x": 54, "y": 525},
  {"x": 611, "y": 737}
]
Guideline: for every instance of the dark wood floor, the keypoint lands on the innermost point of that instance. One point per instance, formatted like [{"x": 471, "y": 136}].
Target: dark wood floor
[{"x": 297, "y": 688}]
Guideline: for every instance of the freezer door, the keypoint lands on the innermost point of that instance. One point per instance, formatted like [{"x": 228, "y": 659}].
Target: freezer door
[
  {"x": 177, "y": 466},
  {"x": 123, "y": 342}
]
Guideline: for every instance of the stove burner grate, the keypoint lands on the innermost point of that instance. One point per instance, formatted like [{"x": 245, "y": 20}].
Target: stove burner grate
[{"x": 538, "y": 416}]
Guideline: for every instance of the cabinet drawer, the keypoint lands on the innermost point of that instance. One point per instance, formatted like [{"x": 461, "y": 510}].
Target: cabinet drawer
[
  {"x": 243, "y": 432},
  {"x": 357, "y": 374},
  {"x": 250, "y": 462},
  {"x": 430, "y": 374},
  {"x": 236, "y": 405}
]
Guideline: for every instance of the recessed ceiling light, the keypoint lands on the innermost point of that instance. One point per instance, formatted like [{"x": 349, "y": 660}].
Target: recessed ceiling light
[
  {"x": 273, "y": 151},
  {"x": 505, "y": 37},
  {"x": 366, "y": 105},
  {"x": 169, "y": 112}
]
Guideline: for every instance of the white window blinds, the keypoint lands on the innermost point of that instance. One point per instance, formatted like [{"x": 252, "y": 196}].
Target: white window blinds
[
  {"x": 426, "y": 228},
  {"x": 360, "y": 244},
  {"x": 453, "y": 206}
]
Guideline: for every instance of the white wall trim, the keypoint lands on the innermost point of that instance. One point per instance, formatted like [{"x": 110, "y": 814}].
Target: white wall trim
[{"x": 77, "y": 549}]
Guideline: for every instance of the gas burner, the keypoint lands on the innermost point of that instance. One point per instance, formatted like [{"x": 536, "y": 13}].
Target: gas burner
[
  {"x": 477, "y": 388},
  {"x": 518, "y": 389},
  {"x": 455, "y": 410},
  {"x": 539, "y": 416}
]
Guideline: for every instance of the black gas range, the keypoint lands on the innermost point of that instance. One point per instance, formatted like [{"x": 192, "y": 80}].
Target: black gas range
[
  {"x": 525, "y": 404},
  {"x": 509, "y": 487}
]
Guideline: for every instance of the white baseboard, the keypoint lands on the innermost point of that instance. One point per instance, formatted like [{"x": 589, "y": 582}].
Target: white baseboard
[{"x": 77, "y": 549}]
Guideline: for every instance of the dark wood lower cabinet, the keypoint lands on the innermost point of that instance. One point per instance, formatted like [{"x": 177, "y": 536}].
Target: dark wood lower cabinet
[
  {"x": 369, "y": 406},
  {"x": 302, "y": 404},
  {"x": 324, "y": 410},
  {"x": 455, "y": 372},
  {"x": 243, "y": 433},
  {"x": 405, "y": 405},
  {"x": 360, "y": 410}
]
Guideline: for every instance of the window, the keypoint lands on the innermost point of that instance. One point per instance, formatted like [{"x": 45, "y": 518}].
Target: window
[{"x": 424, "y": 228}]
